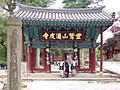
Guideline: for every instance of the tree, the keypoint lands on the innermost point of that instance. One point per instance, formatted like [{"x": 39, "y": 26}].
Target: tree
[
  {"x": 115, "y": 41},
  {"x": 81, "y": 3},
  {"x": 3, "y": 39},
  {"x": 37, "y": 3},
  {"x": 77, "y": 3},
  {"x": 10, "y": 5},
  {"x": 56, "y": 52},
  {"x": 98, "y": 54}
]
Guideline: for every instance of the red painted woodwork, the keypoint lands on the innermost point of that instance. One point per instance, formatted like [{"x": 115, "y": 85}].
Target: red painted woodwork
[
  {"x": 46, "y": 68},
  {"x": 22, "y": 45},
  {"x": 44, "y": 52},
  {"x": 29, "y": 60},
  {"x": 101, "y": 49},
  {"x": 32, "y": 60},
  {"x": 78, "y": 59},
  {"x": 85, "y": 69},
  {"x": 26, "y": 54},
  {"x": 50, "y": 64},
  {"x": 112, "y": 51},
  {"x": 92, "y": 60},
  {"x": 39, "y": 69}
]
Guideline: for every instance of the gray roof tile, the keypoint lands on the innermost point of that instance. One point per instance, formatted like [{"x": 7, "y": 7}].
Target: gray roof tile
[{"x": 79, "y": 14}]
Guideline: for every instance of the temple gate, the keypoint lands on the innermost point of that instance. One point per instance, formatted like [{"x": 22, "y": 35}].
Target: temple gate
[{"x": 62, "y": 28}]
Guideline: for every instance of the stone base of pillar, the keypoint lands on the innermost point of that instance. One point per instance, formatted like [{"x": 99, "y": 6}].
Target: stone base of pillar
[{"x": 100, "y": 74}]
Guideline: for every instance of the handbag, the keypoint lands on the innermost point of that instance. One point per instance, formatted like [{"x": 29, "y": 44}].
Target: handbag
[{"x": 65, "y": 72}]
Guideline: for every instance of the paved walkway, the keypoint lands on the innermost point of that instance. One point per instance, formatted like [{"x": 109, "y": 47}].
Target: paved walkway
[
  {"x": 82, "y": 78},
  {"x": 112, "y": 66},
  {"x": 72, "y": 85},
  {"x": 57, "y": 76}
]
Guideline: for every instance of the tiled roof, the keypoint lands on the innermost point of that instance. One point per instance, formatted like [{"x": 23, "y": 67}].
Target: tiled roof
[{"x": 46, "y": 14}]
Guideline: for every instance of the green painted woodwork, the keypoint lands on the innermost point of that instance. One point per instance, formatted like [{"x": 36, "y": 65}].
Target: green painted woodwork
[
  {"x": 61, "y": 44},
  {"x": 91, "y": 29},
  {"x": 62, "y": 28}
]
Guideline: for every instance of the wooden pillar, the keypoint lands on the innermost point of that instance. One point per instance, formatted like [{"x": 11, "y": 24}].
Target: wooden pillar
[
  {"x": 22, "y": 45},
  {"x": 50, "y": 64},
  {"x": 14, "y": 57},
  {"x": 32, "y": 60},
  {"x": 29, "y": 60},
  {"x": 26, "y": 54},
  {"x": 101, "y": 50},
  {"x": 47, "y": 60},
  {"x": 92, "y": 60},
  {"x": 44, "y": 53},
  {"x": 112, "y": 51},
  {"x": 78, "y": 59}
]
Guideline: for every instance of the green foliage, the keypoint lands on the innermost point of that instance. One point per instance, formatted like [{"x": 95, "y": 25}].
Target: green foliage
[
  {"x": 77, "y": 3},
  {"x": 111, "y": 42},
  {"x": 98, "y": 54},
  {"x": 56, "y": 52},
  {"x": 10, "y": 5},
  {"x": 3, "y": 39},
  {"x": 37, "y": 3}
]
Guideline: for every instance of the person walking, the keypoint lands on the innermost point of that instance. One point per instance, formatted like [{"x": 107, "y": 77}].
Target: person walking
[
  {"x": 69, "y": 60},
  {"x": 61, "y": 68},
  {"x": 67, "y": 69},
  {"x": 73, "y": 68}
]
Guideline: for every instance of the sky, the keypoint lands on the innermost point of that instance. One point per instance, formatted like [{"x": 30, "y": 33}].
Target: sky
[{"x": 110, "y": 7}]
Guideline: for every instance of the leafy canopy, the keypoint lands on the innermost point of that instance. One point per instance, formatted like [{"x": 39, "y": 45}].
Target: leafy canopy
[
  {"x": 3, "y": 39},
  {"x": 10, "y": 5},
  {"x": 77, "y": 3}
]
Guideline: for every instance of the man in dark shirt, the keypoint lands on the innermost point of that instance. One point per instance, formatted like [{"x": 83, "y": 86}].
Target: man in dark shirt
[{"x": 67, "y": 69}]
